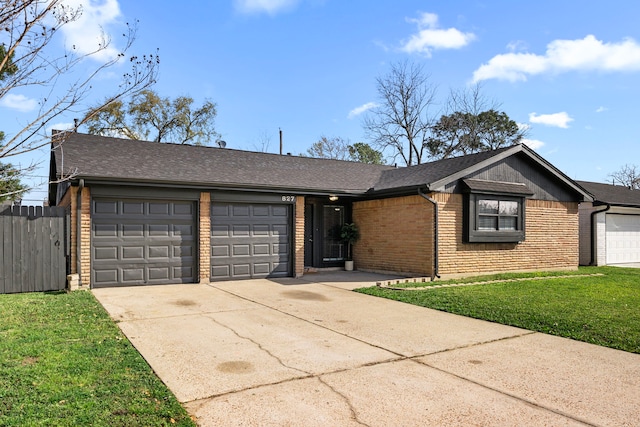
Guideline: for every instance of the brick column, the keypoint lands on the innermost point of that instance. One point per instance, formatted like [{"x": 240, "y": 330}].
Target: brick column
[
  {"x": 299, "y": 237},
  {"x": 205, "y": 237},
  {"x": 85, "y": 237}
]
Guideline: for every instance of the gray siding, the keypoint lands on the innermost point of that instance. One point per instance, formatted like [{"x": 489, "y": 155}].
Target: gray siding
[{"x": 517, "y": 169}]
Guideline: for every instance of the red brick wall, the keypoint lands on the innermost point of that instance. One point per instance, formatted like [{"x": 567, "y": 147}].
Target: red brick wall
[
  {"x": 298, "y": 233},
  {"x": 551, "y": 240},
  {"x": 205, "y": 237},
  {"x": 395, "y": 235}
]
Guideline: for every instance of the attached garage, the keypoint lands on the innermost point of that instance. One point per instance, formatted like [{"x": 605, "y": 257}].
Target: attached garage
[
  {"x": 250, "y": 240},
  {"x": 622, "y": 238},
  {"x": 142, "y": 242}
]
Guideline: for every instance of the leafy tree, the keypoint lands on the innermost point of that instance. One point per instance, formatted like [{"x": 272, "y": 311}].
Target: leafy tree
[
  {"x": 10, "y": 186},
  {"x": 364, "y": 153},
  {"x": 28, "y": 59},
  {"x": 628, "y": 175},
  {"x": 148, "y": 116},
  {"x": 401, "y": 123},
  {"x": 9, "y": 67},
  {"x": 464, "y": 133}
]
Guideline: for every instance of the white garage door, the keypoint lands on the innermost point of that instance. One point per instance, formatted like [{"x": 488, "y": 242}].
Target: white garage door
[{"x": 623, "y": 239}]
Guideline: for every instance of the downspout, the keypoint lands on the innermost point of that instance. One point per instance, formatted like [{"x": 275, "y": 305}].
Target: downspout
[
  {"x": 435, "y": 234},
  {"x": 79, "y": 230},
  {"x": 594, "y": 233}
]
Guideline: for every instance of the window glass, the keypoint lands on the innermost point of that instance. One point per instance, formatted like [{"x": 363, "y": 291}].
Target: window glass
[
  {"x": 487, "y": 223},
  {"x": 508, "y": 208},
  {"x": 488, "y": 207},
  {"x": 508, "y": 223}
]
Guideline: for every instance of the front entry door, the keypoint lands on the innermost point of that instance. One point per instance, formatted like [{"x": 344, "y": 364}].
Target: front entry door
[
  {"x": 308, "y": 236},
  {"x": 333, "y": 220},
  {"x": 323, "y": 221}
]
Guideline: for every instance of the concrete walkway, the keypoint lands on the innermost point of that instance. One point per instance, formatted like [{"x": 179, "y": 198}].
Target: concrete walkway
[{"x": 310, "y": 352}]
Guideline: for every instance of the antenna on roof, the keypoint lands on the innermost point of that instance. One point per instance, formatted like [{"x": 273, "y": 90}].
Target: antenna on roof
[
  {"x": 221, "y": 143},
  {"x": 280, "y": 130}
]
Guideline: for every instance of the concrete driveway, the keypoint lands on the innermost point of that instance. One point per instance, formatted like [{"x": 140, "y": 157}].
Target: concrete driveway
[{"x": 311, "y": 352}]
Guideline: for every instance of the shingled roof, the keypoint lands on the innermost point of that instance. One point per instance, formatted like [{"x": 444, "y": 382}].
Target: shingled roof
[
  {"x": 105, "y": 159},
  {"x": 616, "y": 195}
]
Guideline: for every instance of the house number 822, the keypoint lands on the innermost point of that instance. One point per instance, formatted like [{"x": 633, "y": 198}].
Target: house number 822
[{"x": 288, "y": 198}]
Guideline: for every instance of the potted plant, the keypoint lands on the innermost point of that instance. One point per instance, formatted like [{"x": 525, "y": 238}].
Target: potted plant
[{"x": 349, "y": 235}]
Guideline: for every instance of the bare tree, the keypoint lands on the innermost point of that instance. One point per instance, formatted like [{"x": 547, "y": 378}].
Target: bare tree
[
  {"x": 335, "y": 148},
  {"x": 29, "y": 60},
  {"x": 627, "y": 175},
  {"x": 401, "y": 123}
]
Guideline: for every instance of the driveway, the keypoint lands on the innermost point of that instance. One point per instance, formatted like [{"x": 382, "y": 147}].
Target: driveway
[{"x": 311, "y": 352}]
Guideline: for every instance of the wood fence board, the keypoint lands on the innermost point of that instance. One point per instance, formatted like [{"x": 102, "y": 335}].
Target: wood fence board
[{"x": 34, "y": 249}]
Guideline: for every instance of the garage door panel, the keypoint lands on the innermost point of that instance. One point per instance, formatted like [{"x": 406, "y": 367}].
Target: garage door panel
[
  {"x": 249, "y": 240},
  {"x": 137, "y": 242},
  {"x": 622, "y": 238}
]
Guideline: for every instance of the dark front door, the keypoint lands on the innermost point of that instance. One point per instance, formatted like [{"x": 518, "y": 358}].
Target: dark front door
[
  {"x": 322, "y": 223},
  {"x": 332, "y": 245},
  {"x": 308, "y": 236}
]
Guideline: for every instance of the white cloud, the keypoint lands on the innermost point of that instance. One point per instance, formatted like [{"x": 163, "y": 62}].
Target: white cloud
[
  {"x": 601, "y": 109},
  {"x": 85, "y": 35},
  {"x": 270, "y": 7},
  {"x": 19, "y": 102},
  {"x": 430, "y": 36},
  {"x": 534, "y": 144},
  {"x": 361, "y": 109},
  {"x": 588, "y": 54},
  {"x": 560, "y": 120}
]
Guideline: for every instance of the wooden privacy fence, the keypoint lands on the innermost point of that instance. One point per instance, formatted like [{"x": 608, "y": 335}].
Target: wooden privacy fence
[{"x": 34, "y": 249}]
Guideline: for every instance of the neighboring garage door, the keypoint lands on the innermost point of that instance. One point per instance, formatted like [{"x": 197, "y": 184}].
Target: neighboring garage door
[
  {"x": 250, "y": 241},
  {"x": 142, "y": 242},
  {"x": 623, "y": 239}
]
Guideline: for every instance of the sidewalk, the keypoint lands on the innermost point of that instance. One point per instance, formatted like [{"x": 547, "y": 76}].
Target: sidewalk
[{"x": 310, "y": 352}]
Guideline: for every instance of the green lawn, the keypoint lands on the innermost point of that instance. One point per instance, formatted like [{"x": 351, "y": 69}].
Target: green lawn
[
  {"x": 603, "y": 310},
  {"x": 64, "y": 362}
]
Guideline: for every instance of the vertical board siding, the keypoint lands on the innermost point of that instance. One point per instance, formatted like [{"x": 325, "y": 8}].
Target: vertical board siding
[{"x": 33, "y": 253}]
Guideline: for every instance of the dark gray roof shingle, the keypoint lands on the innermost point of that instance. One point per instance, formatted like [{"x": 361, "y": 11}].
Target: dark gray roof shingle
[
  {"x": 117, "y": 159},
  {"x": 612, "y": 194}
]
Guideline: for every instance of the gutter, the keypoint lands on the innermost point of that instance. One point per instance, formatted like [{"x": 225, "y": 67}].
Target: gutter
[
  {"x": 79, "y": 230},
  {"x": 434, "y": 274},
  {"x": 594, "y": 232}
]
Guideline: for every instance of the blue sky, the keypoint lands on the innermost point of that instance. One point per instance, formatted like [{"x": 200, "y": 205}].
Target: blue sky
[{"x": 567, "y": 69}]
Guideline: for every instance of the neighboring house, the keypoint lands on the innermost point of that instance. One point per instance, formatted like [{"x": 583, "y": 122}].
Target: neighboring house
[
  {"x": 610, "y": 225},
  {"x": 154, "y": 213}
]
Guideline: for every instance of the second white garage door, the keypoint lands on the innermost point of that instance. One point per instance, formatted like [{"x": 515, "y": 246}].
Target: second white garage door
[
  {"x": 623, "y": 239},
  {"x": 250, "y": 240}
]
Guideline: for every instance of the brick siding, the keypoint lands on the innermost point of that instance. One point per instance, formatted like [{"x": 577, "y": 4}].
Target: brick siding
[
  {"x": 397, "y": 235},
  {"x": 298, "y": 235},
  {"x": 205, "y": 237},
  {"x": 551, "y": 240}
]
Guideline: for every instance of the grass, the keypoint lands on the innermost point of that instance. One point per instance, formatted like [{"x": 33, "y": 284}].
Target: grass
[
  {"x": 600, "y": 310},
  {"x": 64, "y": 362}
]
